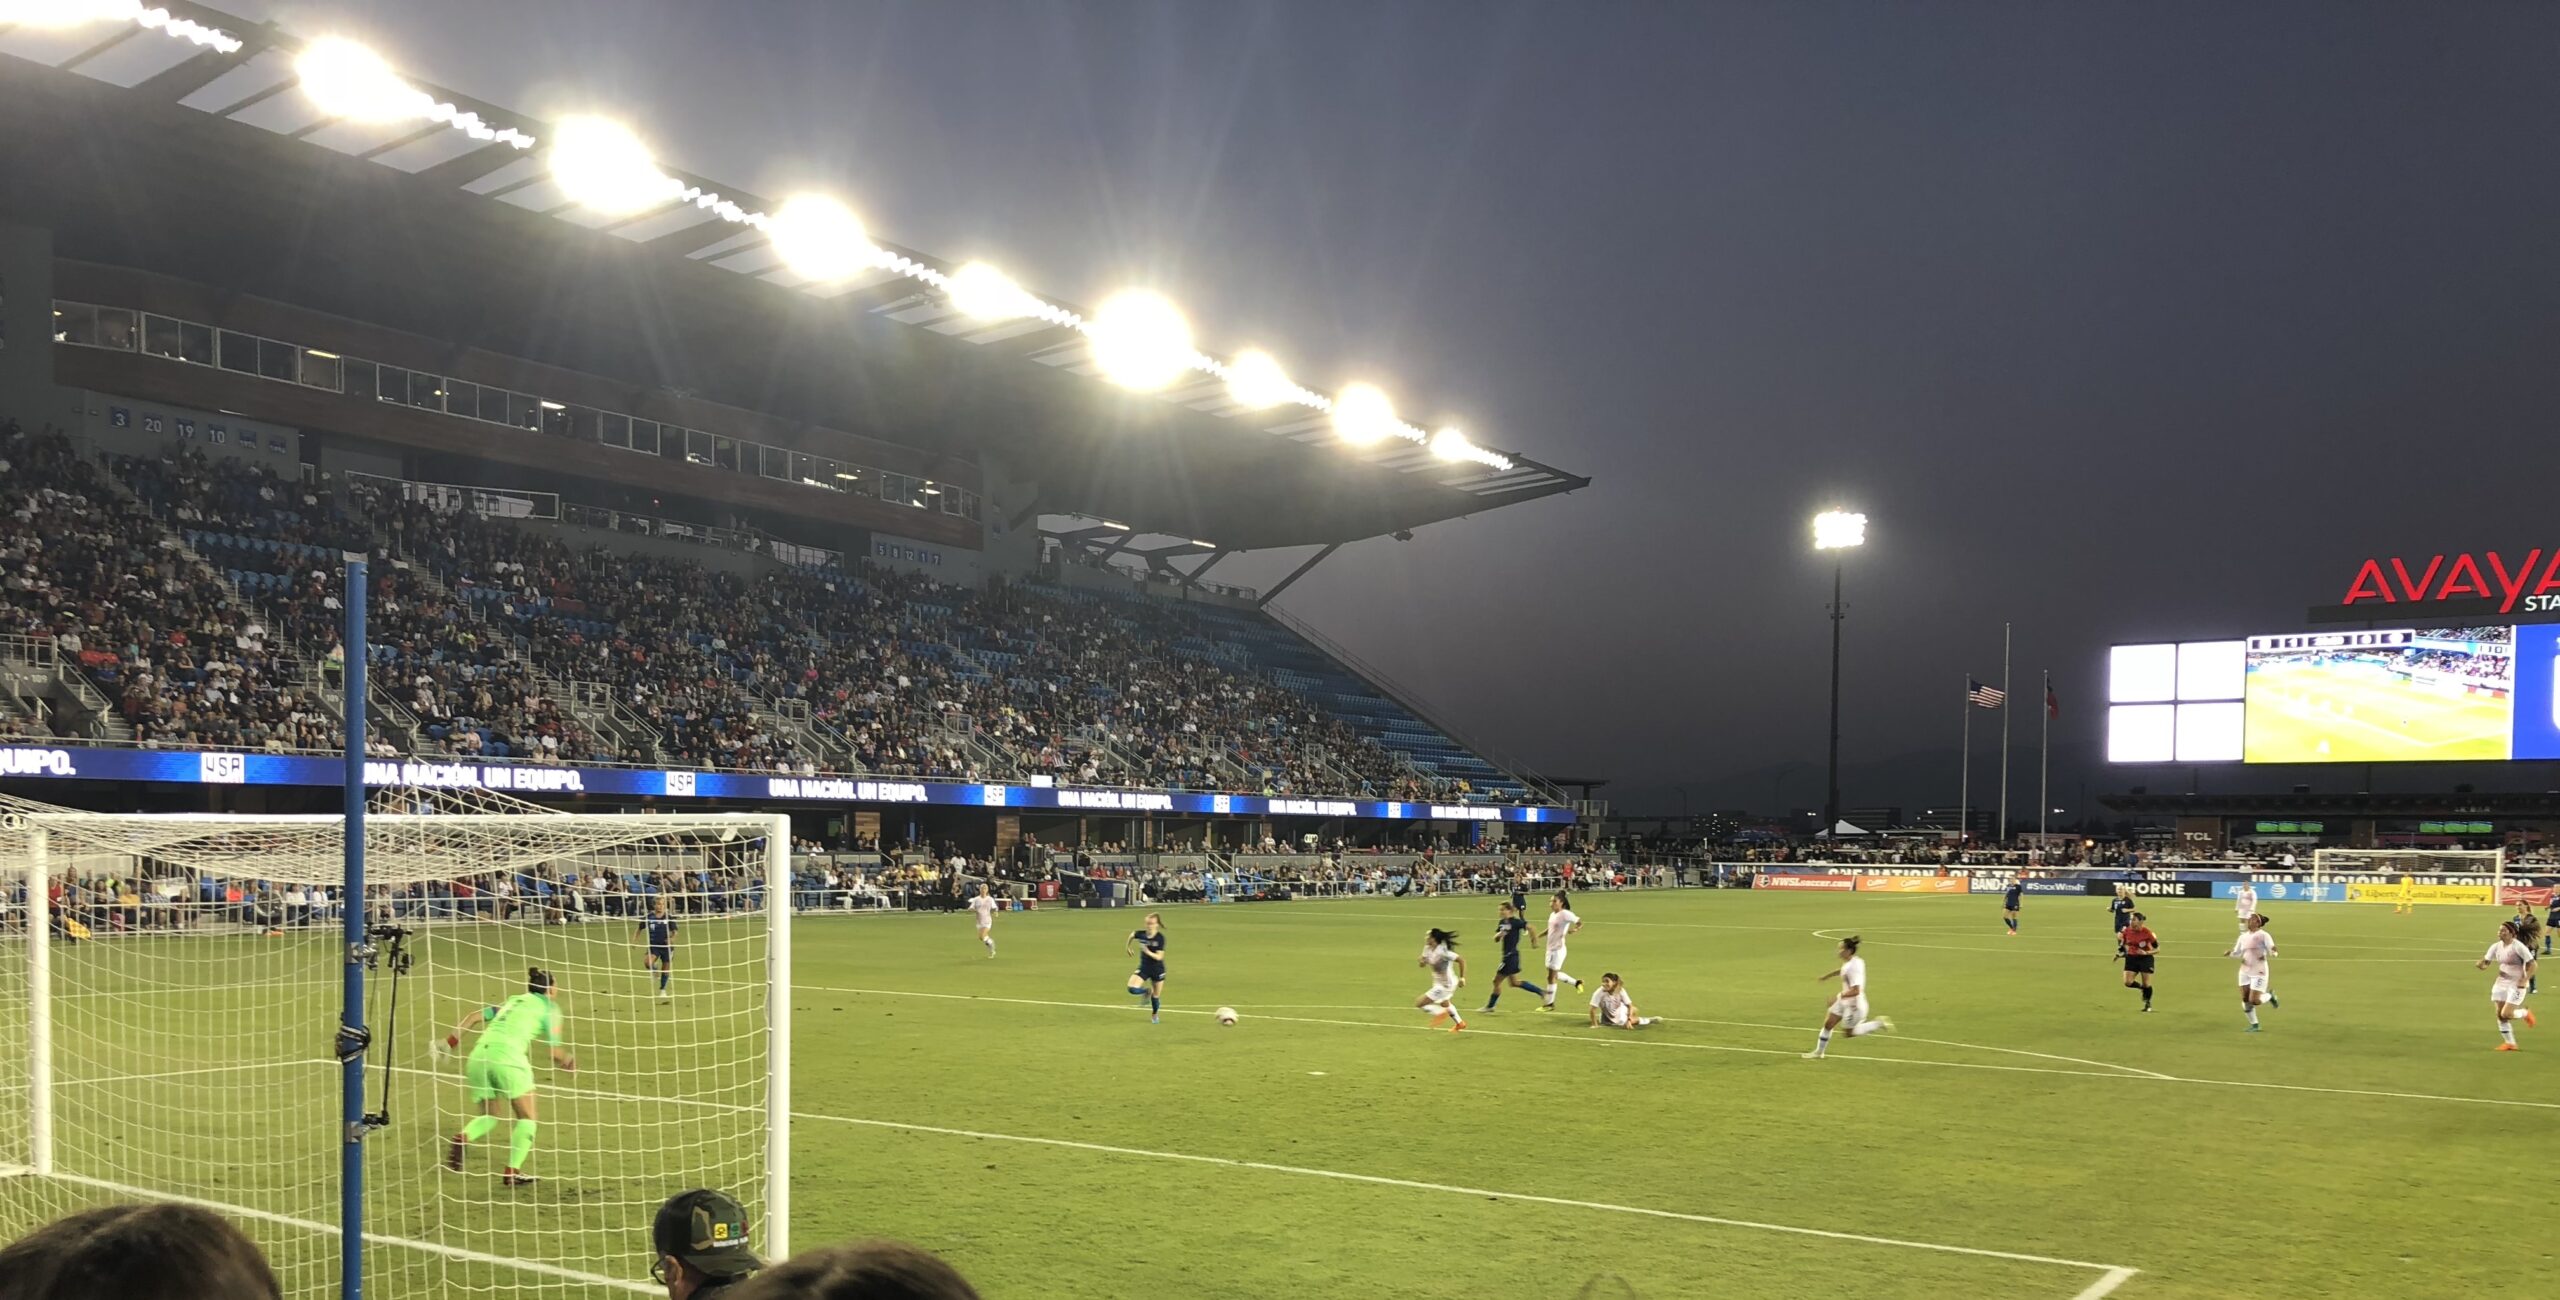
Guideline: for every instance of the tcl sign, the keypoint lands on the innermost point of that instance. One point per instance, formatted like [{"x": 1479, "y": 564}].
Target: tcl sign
[{"x": 2529, "y": 583}]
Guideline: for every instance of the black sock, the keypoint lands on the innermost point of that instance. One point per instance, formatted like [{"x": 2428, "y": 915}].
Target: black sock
[{"x": 2146, "y": 995}]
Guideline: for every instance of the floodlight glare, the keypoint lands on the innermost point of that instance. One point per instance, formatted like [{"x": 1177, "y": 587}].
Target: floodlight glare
[
  {"x": 604, "y": 167},
  {"x": 981, "y": 291},
  {"x": 819, "y": 238},
  {"x": 348, "y": 80},
  {"x": 1140, "y": 340},
  {"x": 1449, "y": 444},
  {"x": 1836, "y": 529},
  {"x": 66, "y": 13},
  {"x": 1362, "y": 415},
  {"x": 1255, "y": 380}
]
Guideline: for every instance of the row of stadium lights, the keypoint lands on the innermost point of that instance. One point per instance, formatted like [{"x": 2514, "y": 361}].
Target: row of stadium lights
[{"x": 1138, "y": 337}]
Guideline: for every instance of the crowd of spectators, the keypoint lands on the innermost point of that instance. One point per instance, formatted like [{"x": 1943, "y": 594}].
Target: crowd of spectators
[{"x": 201, "y": 592}]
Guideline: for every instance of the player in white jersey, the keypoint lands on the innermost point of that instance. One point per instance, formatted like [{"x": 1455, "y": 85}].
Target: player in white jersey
[
  {"x": 2515, "y": 962},
  {"x": 2254, "y": 950},
  {"x": 2244, "y": 903},
  {"x": 1448, "y": 975},
  {"x": 1561, "y": 923},
  {"x": 984, "y": 905},
  {"x": 1848, "y": 1006},
  {"x": 1614, "y": 1007}
]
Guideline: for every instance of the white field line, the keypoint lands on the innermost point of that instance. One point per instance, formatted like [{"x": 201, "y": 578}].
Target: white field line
[
  {"x": 1632, "y": 1040},
  {"x": 1374, "y": 1180},
  {"x": 371, "y": 1238},
  {"x": 2106, "y": 1284},
  {"x": 1941, "y": 1042}
]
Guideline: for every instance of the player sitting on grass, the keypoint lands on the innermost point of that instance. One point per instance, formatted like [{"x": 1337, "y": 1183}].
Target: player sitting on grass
[
  {"x": 497, "y": 1074},
  {"x": 2514, "y": 959},
  {"x": 1613, "y": 1006}
]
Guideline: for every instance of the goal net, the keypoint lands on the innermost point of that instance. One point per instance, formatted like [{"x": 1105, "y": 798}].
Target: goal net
[
  {"x": 2391, "y": 864},
  {"x": 171, "y": 985}
]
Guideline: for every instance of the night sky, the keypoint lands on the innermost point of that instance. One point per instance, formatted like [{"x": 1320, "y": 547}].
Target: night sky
[{"x": 2120, "y": 322}]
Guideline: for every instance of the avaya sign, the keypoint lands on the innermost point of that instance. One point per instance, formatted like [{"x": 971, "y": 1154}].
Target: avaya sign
[{"x": 2530, "y": 585}]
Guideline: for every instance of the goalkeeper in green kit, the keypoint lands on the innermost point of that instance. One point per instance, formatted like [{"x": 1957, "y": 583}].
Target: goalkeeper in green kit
[{"x": 497, "y": 1074}]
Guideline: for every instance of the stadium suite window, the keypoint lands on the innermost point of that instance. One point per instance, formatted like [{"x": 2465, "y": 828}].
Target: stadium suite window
[
  {"x": 90, "y": 326},
  {"x": 359, "y": 379},
  {"x": 697, "y": 444},
  {"x": 282, "y": 361},
  {"x": 320, "y": 370},
  {"x": 462, "y": 397},
  {"x": 777, "y": 462},
  {"x": 614, "y": 430},
  {"x": 237, "y": 353},
  {"x": 426, "y": 392},
  {"x": 178, "y": 340}
]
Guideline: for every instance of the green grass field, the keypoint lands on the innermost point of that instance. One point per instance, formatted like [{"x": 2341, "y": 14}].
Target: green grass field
[
  {"x": 2024, "y": 1134},
  {"x": 2346, "y": 713}
]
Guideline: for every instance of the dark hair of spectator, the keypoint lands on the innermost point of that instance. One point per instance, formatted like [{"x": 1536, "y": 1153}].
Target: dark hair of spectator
[
  {"x": 871, "y": 1270},
  {"x": 137, "y": 1252}
]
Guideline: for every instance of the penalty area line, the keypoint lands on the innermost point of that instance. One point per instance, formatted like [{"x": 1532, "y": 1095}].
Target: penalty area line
[{"x": 2117, "y": 1272}]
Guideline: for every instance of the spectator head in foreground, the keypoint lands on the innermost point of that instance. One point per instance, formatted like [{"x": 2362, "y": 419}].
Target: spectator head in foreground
[
  {"x": 701, "y": 1244},
  {"x": 871, "y": 1270},
  {"x": 137, "y": 1252}
]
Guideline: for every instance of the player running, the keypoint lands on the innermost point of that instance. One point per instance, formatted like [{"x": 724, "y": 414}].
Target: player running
[
  {"x": 2120, "y": 913},
  {"x": 2550, "y": 921},
  {"x": 1561, "y": 924},
  {"x": 659, "y": 932},
  {"x": 2529, "y": 933},
  {"x": 2254, "y": 950},
  {"x": 2140, "y": 949},
  {"x": 2009, "y": 901},
  {"x": 1615, "y": 1007},
  {"x": 2514, "y": 959},
  {"x": 1448, "y": 975},
  {"x": 1849, "y": 1005},
  {"x": 1508, "y": 930},
  {"x": 1148, "y": 943},
  {"x": 2244, "y": 903},
  {"x": 497, "y": 1074},
  {"x": 984, "y": 906}
]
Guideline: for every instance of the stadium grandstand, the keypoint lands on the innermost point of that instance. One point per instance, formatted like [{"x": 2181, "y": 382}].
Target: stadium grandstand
[{"x": 641, "y": 495}]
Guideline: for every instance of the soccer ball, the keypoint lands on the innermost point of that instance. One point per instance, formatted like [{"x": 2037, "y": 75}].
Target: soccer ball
[{"x": 1226, "y": 1015}]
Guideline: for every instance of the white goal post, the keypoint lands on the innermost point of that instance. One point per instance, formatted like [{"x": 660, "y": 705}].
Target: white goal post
[
  {"x": 2391, "y": 864},
  {"x": 170, "y": 985}
]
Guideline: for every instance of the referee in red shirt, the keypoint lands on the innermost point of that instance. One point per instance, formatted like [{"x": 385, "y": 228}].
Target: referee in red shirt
[{"x": 2140, "y": 945}]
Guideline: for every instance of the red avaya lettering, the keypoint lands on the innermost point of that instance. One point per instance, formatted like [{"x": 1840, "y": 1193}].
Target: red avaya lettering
[
  {"x": 2380, "y": 590},
  {"x": 2512, "y": 587},
  {"x": 2456, "y": 585},
  {"x": 2416, "y": 590},
  {"x": 2550, "y": 576}
]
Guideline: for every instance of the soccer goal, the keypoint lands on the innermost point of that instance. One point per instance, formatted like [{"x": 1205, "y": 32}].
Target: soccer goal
[
  {"x": 2391, "y": 864},
  {"x": 171, "y": 988}
]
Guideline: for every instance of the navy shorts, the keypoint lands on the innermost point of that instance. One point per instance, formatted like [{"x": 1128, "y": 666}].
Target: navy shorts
[
  {"x": 664, "y": 956},
  {"x": 1151, "y": 971},
  {"x": 1510, "y": 965}
]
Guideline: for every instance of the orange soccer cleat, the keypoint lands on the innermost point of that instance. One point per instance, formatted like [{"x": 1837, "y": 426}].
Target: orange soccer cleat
[
  {"x": 2528, "y": 1020},
  {"x": 2509, "y": 1047}
]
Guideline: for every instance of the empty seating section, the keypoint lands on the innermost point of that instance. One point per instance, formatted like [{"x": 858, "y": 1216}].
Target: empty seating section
[{"x": 202, "y": 593}]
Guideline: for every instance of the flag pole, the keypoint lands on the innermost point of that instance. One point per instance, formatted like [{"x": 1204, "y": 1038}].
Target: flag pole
[
  {"x": 2000, "y": 832},
  {"x": 1964, "y": 785},
  {"x": 2044, "y": 761}
]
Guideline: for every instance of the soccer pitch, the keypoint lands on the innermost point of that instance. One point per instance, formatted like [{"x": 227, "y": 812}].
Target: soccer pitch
[
  {"x": 2340, "y": 713},
  {"x": 2026, "y": 1133}
]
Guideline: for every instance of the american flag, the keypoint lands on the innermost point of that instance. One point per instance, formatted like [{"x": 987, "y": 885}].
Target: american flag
[{"x": 1988, "y": 697}]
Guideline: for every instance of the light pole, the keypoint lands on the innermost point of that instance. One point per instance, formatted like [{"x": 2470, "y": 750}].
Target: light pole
[{"x": 1836, "y": 531}]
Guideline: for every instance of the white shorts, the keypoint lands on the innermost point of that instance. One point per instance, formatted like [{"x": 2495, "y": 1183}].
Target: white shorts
[
  {"x": 2510, "y": 994},
  {"x": 2254, "y": 980},
  {"x": 1441, "y": 992},
  {"x": 1851, "y": 1010},
  {"x": 986, "y": 923},
  {"x": 1614, "y": 1019},
  {"x": 1555, "y": 959}
]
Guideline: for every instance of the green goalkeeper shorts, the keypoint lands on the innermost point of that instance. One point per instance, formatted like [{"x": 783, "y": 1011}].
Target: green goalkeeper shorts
[{"x": 497, "y": 1080}]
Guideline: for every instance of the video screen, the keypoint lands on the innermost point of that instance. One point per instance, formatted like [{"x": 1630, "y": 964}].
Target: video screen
[{"x": 2403, "y": 696}]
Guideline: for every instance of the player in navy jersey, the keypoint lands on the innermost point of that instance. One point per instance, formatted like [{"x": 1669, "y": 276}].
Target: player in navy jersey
[
  {"x": 2009, "y": 901},
  {"x": 1148, "y": 944},
  {"x": 2122, "y": 911},
  {"x": 1508, "y": 930},
  {"x": 660, "y": 933}
]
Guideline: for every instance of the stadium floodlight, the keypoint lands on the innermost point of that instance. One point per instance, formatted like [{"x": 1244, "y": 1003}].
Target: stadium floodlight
[
  {"x": 604, "y": 167},
  {"x": 1449, "y": 444},
  {"x": 1140, "y": 340},
  {"x": 1362, "y": 415},
  {"x": 984, "y": 293},
  {"x": 54, "y": 14},
  {"x": 1255, "y": 380},
  {"x": 819, "y": 238},
  {"x": 1835, "y": 529},
  {"x": 348, "y": 80}
]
